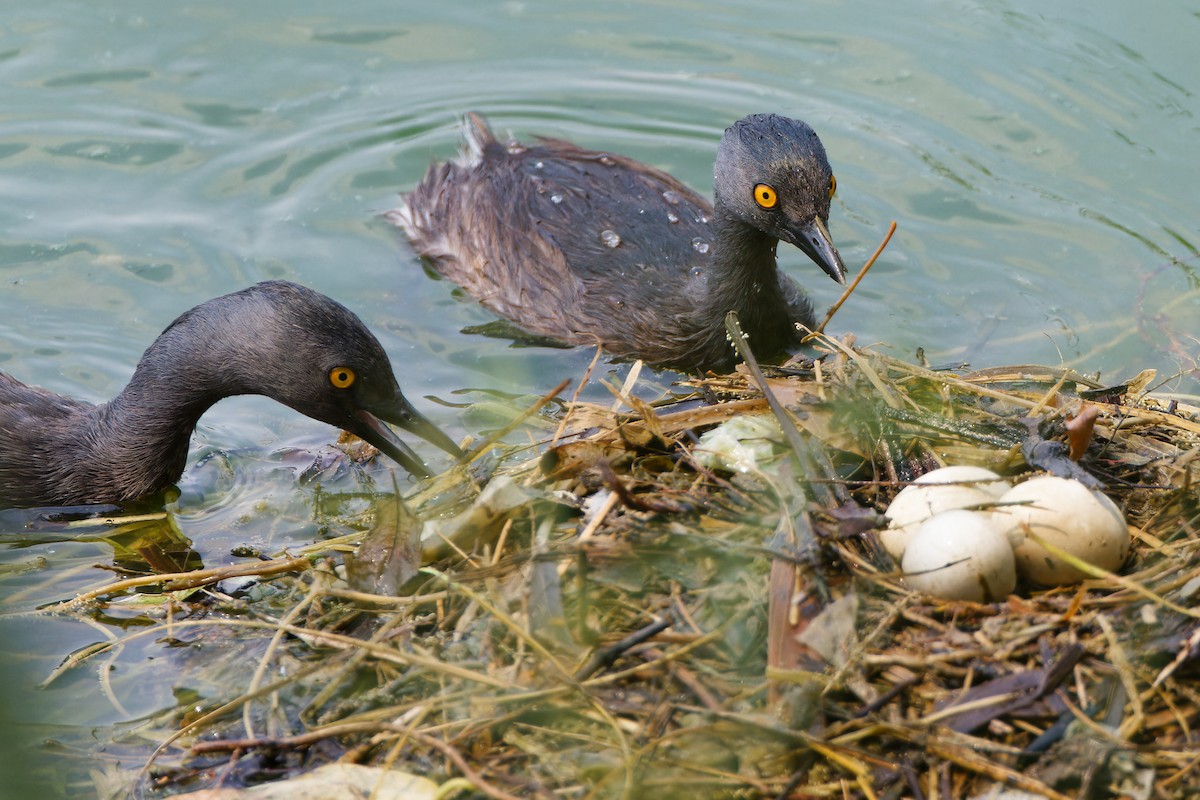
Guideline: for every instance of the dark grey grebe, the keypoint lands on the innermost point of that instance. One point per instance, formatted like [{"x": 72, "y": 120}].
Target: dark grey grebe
[
  {"x": 277, "y": 339},
  {"x": 593, "y": 248}
]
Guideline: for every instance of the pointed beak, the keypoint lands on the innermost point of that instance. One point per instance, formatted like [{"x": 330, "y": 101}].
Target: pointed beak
[
  {"x": 400, "y": 412},
  {"x": 817, "y": 244}
]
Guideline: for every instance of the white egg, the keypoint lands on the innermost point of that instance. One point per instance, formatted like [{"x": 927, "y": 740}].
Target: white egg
[
  {"x": 934, "y": 492},
  {"x": 975, "y": 477},
  {"x": 1068, "y": 515},
  {"x": 960, "y": 555}
]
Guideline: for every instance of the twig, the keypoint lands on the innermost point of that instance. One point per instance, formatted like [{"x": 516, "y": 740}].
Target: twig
[
  {"x": 976, "y": 762},
  {"x": 470, "y": 774},
  {"x": 288, "y": 742},
  {"x": 887, "y": 697},
  {"x": 687, "y": 678},
  {"x": 605, "y": 656},
  {"x": 587, "y": 374},
  {"x": 177, "y": 581},
  {"x": 862, "y": 273}
]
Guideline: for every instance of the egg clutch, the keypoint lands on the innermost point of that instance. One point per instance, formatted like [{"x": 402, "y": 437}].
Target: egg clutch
[{"x": 965, "y": 533}]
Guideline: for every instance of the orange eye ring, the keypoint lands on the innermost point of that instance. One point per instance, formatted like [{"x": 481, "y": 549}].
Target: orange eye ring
[
  {"x": 832, "y": 186},
  {"x": 342, "y": 377},
  {"x": 765, "y": 196}
]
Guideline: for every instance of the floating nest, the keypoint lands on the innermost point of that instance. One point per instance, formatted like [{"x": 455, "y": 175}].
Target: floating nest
[{"x": 604, "y": 610}]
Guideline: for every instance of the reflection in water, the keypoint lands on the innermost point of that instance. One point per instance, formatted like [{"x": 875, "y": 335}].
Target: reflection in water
[{"x": 140, "y": 543}]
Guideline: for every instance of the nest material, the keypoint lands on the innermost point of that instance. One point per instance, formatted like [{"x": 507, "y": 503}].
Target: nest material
[{"x": 614, "y": 619}]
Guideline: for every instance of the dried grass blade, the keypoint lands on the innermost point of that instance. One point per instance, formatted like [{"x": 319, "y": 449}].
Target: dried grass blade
[
  {"x": 1120, "y": 580},
  {"x": 969, "y": 759},
  {"x": 862, "y": 273},
  {"x": 485, "y": 444}
]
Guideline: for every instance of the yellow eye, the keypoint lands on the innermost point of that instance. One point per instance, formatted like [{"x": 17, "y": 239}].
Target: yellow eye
[
  {"x": 832, "y": 186},
  {"x": 765, "y": 196},
  {"x": 342, "y": 377}
]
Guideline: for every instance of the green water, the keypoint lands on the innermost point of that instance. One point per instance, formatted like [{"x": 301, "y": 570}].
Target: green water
[{"x": 1041, "y": 166}]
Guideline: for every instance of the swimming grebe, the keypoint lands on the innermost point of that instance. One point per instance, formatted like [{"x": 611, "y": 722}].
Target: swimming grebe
[
  {"x": 278, "y": 339},
  {"x": 593, "y": 248}
]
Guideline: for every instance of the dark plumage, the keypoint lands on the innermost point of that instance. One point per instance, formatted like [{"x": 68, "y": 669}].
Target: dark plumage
[
  {"x": 589, "y": 247},
  {"x": 277, "y": 339}
]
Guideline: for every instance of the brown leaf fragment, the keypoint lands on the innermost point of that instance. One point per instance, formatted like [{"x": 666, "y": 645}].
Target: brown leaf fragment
[
  {"x": 570, "y": 459},
  {"x": 1079, "y": 430}
]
